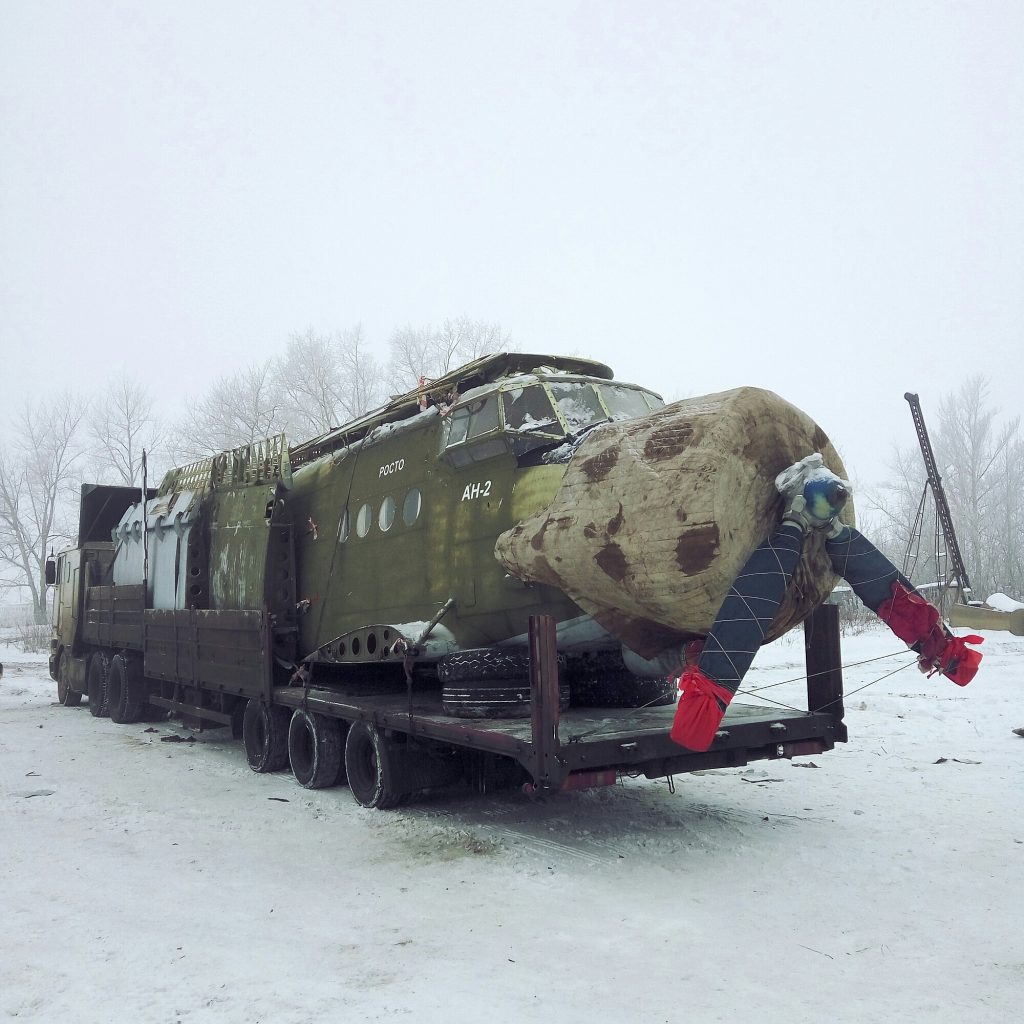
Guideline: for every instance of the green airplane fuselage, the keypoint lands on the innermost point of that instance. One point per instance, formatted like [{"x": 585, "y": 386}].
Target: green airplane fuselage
[{"x": 393, "y": 526}]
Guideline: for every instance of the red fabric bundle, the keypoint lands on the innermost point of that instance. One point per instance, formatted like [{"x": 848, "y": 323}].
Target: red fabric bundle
[{"x": 700, "y": 711}]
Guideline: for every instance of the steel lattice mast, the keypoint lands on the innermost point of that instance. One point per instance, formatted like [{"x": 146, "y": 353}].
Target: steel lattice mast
[{"x": 935, "y": 482}]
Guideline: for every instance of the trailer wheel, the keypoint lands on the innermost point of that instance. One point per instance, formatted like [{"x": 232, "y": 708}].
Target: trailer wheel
[
  {"x": 96, "y": 682},
  {"x": 265, "y": 733},
  {"x": 481, "y": 699},
  {"x": 314, "y": 749},
  {"x": 68, "y": 697},
  {"x": 126, "y": 697},
  {"x": 370, "y": 767}
]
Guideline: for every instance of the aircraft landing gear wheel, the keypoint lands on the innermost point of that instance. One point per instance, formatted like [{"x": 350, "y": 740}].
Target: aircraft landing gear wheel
[
  {"x": 601, "y": 680},
  {"x": 265, "y": 732},
  {"x": 497, "y": 699},
  {"x": 314, "y": 749},
  {"x": 97, "y": 685},
  {"x": 479, "y": 664},
  {"x": 68, "y": 697},
  {"x": 370, "y": 767}
]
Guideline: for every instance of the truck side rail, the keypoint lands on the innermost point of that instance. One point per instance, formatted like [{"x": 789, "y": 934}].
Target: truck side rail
[
  {"x": 113, "y": 616},
  {"x": 215, "y": 650}
]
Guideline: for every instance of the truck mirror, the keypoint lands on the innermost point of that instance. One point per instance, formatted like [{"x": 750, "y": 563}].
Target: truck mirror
[{"x": 51, "y": 572}]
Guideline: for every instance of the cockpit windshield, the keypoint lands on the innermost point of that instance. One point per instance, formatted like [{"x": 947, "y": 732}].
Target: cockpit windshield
[
  {"x": 529, "y": 408},
  {"x": 625, "y": 403},
  {"x": 524, "y": 416},
  {"x": 578, "y": 403}
]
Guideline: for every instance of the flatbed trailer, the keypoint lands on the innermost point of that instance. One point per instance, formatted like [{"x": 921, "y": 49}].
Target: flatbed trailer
[
  {"x": 213, "y": 668},
  {"x": 582, "y": 747}
]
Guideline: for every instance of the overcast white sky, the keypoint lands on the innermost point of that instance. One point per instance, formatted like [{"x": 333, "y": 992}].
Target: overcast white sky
[{"x": 825, "y": 199}]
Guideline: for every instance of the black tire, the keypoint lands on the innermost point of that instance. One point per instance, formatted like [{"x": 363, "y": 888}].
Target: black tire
[
  {"x": 68, "y": 697},
  {"x": 265, "y": 733},
  {"x": 507, "y": 699},
  {"x": 484, "y": 663},
  {"x": 97, "y": 684},
  {"x": 601, "y": 680},
  {"x": 314, "y": 749},
  {"x": 126, "y": 695},
  {"x": 370, "y": 767}
]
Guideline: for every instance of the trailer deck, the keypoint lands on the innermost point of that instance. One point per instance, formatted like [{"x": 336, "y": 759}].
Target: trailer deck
[
  {"x": 587, "y": 739},
  {"x": 589, "y": 746}
]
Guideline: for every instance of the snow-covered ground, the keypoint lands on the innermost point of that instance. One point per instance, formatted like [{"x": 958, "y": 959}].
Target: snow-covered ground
[{"x": 144, "y": 881}]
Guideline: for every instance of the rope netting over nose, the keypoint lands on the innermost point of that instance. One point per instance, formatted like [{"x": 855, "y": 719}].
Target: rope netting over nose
[
  {"x": 750, "y": 606},
  {"x": 815, "y": 499},
  {"x": 736, "y": 636},
  {"x": 869, "y": 573}
]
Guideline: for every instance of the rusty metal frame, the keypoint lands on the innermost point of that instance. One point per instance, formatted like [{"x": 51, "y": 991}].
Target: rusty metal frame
[{"x": 559, "y": 758}]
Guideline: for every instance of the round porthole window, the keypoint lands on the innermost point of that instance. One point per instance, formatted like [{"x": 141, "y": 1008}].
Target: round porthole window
[
  {"x": 386, "y": 516},
  {"x": 345, "y": 528},
  {"x": 411, "y": 507},
  {"x": 363, "y": 520}
]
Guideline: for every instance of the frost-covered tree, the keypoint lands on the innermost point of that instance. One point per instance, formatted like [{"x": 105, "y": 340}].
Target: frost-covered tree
[
  {"x": 325, "y": 380},
  {"x": 39, "y": 490},
  {"x": 120, "y": 425},
  {"x": 432, "y": 352},
  {"x": 981, "y": 460},
  {"x": 238, "y": 409}
]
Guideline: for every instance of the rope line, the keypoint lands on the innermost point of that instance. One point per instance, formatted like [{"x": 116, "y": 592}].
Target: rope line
[{"x": 778, "y": 703}]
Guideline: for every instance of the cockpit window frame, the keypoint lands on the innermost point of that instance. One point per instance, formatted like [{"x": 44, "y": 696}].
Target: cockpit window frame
[{"x": 498, "y": 437}]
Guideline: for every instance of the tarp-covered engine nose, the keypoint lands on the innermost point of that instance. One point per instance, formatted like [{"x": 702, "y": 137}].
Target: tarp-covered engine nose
[{"x": 656, "y": 516}]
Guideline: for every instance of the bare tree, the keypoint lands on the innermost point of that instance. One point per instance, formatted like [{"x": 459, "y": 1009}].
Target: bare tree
[
  {"x": 326, "y": 380},
  {"x": 427, "y": 352},
  {"x": 1008, "y": 542},
  {"x": 310, "y": 384},
  {"x": 121, "y": 424},
  {"x": 412, "y": 357},
  {"x": 238, "y": 409},
  {"x": 975, "y": 456},
  {"x": 362, "y": 376},
  {"x": 981, "y": 463},
  {"x": 37, "y": 491}
]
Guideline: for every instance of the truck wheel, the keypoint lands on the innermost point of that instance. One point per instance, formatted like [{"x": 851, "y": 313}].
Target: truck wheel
[
  {"x": 476, "y": 699},
  {"x": 68, "y": 697},
  {"x": 126, "y": 698},
  {"x": 265, "y": 733},
  {"x": 97, "y": 684},
  {"x": 314, "y": 749},
  {"x": 370, "y": 767}
]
